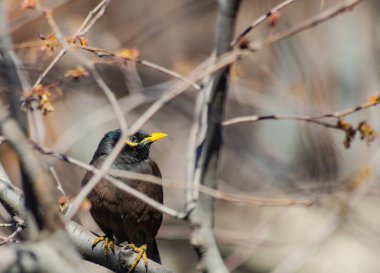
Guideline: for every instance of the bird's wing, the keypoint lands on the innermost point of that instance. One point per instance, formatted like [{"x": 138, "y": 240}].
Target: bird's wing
[
  {"x": 103, "y": 201},
  {"x": 140, "y": 219}
]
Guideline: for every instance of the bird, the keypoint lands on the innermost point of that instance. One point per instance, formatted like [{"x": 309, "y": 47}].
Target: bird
[{"x": 121, "y": 216}]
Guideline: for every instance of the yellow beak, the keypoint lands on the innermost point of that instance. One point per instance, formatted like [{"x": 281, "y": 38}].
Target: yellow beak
[{"x": 154, "y": 137}]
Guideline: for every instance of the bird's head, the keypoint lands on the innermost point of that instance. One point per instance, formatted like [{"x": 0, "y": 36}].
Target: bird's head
[{"x": 136, "y": 146}]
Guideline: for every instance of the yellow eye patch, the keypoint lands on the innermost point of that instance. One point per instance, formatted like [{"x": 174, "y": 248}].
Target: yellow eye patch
[
  {"x": 130, "y": 143},
  {"x": 150, "y": 139}
]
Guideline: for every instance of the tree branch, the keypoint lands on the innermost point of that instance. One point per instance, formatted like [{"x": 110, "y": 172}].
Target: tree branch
[
  {"x": 81, "y": 237},
  {"x": 202, "y": 216},
  {"x": 10, "y": 70}
]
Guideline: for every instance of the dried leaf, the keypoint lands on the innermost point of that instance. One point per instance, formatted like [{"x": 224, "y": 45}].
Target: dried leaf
[
  {"x": 374, "y": 99},
  {"x": 129, "y": 53},
  {"x": 82, "y": 40},
  {"x": 40, "y": 94},
  {"x": 367, "y": 133},
  {"x": 28, "y": 4},
  {"x": 349, "y": 130},
  {"x": 51, "y": 43},
  {"x": 63, "y": 202},
  {"x": 76, "y": 73},
  {"x": 274, "y": 18}
]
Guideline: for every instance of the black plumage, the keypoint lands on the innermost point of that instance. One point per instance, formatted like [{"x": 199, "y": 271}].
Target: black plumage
[{"x": 119, "y": 214}]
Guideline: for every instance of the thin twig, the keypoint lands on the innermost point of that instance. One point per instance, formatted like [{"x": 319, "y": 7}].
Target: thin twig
[
  {"x": 116, "y": 182},
  {"x": 312, "y": 119},
  {"x": 312, "y": 22},
  {"x": 6, "y": 225},
  {"x": 101, "y": 52},
  {"x": 56, "y": 178},
  {"x": 217, "y": 194},
  {"x": 11, "y": 237},
  {"x": 230, "y": 57},
  {"x": 104, "y": 52},
  {"x": 93, "y": 16},
  {"x": 223, "y": 61},
  {"x": 119, "y": 116},
  {"x": 100, "y": 8},
  {"x": 259, "y": 20},
  {"x": 252, "y": 119}
]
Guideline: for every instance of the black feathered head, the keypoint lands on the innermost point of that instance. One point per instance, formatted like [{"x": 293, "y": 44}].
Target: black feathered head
[{"x": 136, "y": 146}]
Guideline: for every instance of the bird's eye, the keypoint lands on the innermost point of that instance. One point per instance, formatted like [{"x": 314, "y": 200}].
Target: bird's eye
[{"x": 133, "y": 139}]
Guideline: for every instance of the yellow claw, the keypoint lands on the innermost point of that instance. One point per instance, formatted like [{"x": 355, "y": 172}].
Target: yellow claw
[
  {"x": 141, "y": 254},
  {"x": 108, "y": 244}
]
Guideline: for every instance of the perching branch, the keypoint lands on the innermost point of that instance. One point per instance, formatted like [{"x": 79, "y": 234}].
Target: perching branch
[{"x": 81, "y": 237}]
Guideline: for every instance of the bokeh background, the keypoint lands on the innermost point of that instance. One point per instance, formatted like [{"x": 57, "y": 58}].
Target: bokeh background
[{"x": 328, "y": 68}]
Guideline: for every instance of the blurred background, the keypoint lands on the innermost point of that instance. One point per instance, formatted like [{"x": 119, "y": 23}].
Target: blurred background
[{"x": 328, "y": 68}]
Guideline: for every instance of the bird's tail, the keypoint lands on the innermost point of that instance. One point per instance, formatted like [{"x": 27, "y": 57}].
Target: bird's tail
[{"x": 153, "y": 253}]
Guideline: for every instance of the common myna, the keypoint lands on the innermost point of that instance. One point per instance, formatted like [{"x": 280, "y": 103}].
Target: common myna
[{"x": 120, "y": 215}]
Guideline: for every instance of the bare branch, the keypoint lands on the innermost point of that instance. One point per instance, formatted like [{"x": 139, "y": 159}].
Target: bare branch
[
  {"x": 89, "y": 21},
  {"x": 10, "y": 70},
  {"x": 253, "y": 119},
  {"x": 83, "y": 240},
  {"x": 11, "y": 237},
  {"x": 209, "y": 146},
  {"x": 119, "y": 262},
  {"x": 118, "y": 113},
  {"x": 230, "y": 57},
  {"x": 75, "y": 205},
  {"x": 217, "y": 194},
  {"x": 374, "y": 100},
  {"x": 259, "y": 20},
  {"x": 312, "y": 22},
  {"x": 6, "y": 225},
  {"x": 104, "y": 52}
]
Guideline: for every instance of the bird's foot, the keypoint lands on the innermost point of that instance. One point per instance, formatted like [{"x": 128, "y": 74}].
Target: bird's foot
[
  {"x": 141, "y": 251},
  {"x": 109, "y": 243}
]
